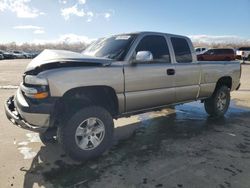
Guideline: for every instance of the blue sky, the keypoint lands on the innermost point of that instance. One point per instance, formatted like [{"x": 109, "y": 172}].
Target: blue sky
[{"x": 72, "y": 20}]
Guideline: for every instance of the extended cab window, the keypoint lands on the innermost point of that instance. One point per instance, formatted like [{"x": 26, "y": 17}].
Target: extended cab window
[
  {"x": 181, "y": 50},
  {"x": 157, "y": 45}
]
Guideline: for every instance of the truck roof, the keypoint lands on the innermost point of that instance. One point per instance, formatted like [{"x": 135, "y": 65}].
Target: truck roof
[{"x": 152, "y": 32}]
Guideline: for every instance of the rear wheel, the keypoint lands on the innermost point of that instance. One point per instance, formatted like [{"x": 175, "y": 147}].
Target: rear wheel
[
  {"x": 88, "y": 133},
  {"x": 217, "y": 105}
]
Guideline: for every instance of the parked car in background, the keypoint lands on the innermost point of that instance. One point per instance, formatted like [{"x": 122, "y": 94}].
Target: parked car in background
[
  {"x": 7, "y": 55},
  {"x": 200, "y": 50},
  {"x": 1, "y": 57},
  {"x": 220, "y": 54},
  {"x": 18, "y": 54},
  {"x": 27, "y": 55},
  {"x": 34, "y": 54},
  {"x": 243, "y": 53}
]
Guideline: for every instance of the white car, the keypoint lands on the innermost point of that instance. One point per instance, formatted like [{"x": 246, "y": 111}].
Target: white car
[
  {"x": 243, "y": 53},
  {"x": 18, "y": 54},
  {"x": 200, "y": 50}
]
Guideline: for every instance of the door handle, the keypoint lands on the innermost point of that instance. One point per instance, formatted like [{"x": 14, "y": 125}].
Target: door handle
[{"x": 170, "y": 72}]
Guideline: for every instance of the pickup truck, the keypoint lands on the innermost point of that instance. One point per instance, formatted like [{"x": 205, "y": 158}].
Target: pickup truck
[
  {"x": 243, "y": 53},
  {"x": 73, "y": 97}
]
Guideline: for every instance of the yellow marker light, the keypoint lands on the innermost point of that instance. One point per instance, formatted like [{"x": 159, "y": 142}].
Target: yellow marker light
[{"x": 42, "y": 95}]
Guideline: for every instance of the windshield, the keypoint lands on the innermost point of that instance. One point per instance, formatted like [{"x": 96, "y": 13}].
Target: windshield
[{"x": 114, "y": 47}]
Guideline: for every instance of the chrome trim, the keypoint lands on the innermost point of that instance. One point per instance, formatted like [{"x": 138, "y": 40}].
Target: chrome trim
[{"x": 28, "y": 90}]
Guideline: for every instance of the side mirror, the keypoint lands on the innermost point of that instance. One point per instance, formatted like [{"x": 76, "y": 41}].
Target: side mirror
[{"x": 144, "y": 56}]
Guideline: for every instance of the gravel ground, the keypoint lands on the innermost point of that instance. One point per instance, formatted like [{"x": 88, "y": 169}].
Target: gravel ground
[{"x": 179, "y": 147}]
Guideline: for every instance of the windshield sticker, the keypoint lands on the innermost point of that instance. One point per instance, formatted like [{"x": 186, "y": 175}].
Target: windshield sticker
[{"x": 122, "y": 37}]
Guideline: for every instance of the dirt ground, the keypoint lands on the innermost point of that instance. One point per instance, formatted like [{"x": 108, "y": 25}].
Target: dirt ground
[{"x": 179, "y": 147}]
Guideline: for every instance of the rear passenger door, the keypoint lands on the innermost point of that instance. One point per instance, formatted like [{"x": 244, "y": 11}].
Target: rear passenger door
[
  {"x": 150, "y": 84},
  {"x": 187, "y": 71}
]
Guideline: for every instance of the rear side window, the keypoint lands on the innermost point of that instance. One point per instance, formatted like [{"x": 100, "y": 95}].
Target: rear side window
[
  {"x": 157, "y": 45},
  {"x": 223, "y": 51},
  {"x": 244, "y": 49},
  {"x": 218, "y": 51},
  {"x": 229, "y": 51},
  {"x": 181, "y": 50}
]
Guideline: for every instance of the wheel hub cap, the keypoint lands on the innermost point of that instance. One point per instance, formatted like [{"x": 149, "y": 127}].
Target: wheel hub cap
[
  {"x": 90, "y": 133},
  {"x": 221, "y": 101}
]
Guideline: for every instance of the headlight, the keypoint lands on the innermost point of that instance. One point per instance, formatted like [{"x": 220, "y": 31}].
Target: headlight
[{"x": 33, "y": 80}]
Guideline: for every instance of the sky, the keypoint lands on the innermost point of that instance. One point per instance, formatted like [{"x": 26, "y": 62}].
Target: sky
[{"x": 41, "y": 21}]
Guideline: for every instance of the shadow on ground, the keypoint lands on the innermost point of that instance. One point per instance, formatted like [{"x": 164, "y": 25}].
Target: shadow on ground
[{"x": 139, "y": 142}]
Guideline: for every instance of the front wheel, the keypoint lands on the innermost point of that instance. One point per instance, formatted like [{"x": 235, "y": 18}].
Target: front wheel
[
  {"x": 217, "y": 105},
  {"x": 88, "y": 133}
]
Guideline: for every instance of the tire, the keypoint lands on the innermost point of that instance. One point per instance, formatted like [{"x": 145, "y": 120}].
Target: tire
[
  {"x": 87, "y": 134},
  {"x": 48, "y": 137},
  {"x": 214, "y": 105}
]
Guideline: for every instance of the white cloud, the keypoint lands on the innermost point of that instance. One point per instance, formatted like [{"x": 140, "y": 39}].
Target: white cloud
[
  {"x": 20, "y": 8},
  {"x": 79, "y": 10},
  {"x": 66, "y": 38},
  {"x": 107, "y": 15},
  {"x": 82, "y": 2},
  {"x": 74, "y": 10},
  {"x": 63, "y": 1},
  {"x": 26, "y": 27},
  {"x": 35, "y": 29},
  {"x": 209, "y": 39},
  {"x": 90, "y": 16},
  {"x": 39, "y": 31},
  {"x": 67, "y": 12}
]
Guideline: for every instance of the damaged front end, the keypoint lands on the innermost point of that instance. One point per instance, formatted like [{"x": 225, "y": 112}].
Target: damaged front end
[{"x": 32, "y": 106}]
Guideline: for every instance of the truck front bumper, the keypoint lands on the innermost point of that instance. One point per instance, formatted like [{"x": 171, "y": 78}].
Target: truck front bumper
[
  {"x": 13, "y": 115},
  {"x": 27, "y": 115}
]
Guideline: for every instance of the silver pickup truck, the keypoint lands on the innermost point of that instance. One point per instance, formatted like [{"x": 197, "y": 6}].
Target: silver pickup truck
[{"x": 73, "y": 97}]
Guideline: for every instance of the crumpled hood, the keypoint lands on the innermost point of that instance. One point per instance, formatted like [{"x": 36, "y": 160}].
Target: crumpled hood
[{"x": 63, "y": 58}]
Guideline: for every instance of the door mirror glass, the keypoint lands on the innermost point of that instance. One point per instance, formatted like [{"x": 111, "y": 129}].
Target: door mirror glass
[{"x": 143, "y": 56}]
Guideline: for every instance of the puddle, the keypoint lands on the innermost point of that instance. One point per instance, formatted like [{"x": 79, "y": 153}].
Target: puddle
[
  {"x": 33, "y": 137},
  {"x": 139, "y": 140},
  {"x": 23, "y": 148},
  {"x": 27, "y": 152}
]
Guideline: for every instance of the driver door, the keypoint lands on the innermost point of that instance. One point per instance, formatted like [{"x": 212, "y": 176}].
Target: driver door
[{"x": 150, "y": 84}]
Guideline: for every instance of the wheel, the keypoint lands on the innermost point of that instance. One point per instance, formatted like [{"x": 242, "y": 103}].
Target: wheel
[
  {"x": 48, "y": 137},
  {"x": 87, "y": 134},
  {"x": 217, "y": 105}
]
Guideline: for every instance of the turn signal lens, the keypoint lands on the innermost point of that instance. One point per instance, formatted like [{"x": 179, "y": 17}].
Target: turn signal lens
[{"x": 42, "y": 95}]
